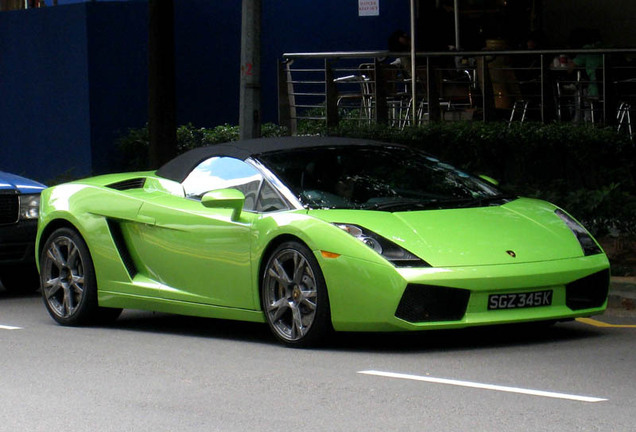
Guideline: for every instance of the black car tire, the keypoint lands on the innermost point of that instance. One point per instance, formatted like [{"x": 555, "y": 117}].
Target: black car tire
[
  {"x": 67, "y": 277},
  {"x": 294, "y": 296}
]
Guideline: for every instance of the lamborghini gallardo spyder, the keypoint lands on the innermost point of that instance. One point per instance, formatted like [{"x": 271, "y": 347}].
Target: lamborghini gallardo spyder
[{"x": 311, "y": 235}]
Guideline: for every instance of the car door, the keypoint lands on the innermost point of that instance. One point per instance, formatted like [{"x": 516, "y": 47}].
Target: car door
[{"x": 199, "y": 254}]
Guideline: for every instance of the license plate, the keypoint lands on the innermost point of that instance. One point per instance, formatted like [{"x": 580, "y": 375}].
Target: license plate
[{"x": 520, "y": 300}]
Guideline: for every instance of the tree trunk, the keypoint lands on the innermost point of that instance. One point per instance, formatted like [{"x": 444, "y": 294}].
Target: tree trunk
[{"x": 162, "y": 122}]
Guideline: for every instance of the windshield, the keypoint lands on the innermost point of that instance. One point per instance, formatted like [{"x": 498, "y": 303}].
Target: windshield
[{"x": 376, "y": 177}]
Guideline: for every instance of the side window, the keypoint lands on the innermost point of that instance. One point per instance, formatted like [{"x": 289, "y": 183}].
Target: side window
[
  {"x": 269, "y": 200},
  {"x": 224, "y": 173}
]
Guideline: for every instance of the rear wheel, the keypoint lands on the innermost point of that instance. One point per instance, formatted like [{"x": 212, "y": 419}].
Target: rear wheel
[
  {"x": 294, "y": 296},
  {"x": 69, "y": 288}
]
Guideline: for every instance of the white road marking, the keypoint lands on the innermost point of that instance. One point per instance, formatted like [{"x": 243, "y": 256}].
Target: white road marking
[
  {"x": 484, "y": 386},
  {"x": 6, "y": 327}
]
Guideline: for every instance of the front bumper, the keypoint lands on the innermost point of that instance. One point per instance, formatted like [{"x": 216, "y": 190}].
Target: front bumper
[{"x": 371, "y": 297}]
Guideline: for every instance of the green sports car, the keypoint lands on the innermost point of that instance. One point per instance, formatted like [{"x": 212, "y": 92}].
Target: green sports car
[{"x": 311, "y": 235}]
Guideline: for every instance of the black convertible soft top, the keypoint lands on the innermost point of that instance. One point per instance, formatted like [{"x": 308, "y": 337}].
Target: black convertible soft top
[{"x": 179, "y": 168}]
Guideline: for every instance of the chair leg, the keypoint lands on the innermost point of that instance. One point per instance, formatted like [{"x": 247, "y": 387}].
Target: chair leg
[
  {"x": 512, "y": 113},
  {"x": 628, "y": 118},
  {"x": 422, "y": 109},
  {"x": 522, "y": 107},
  {"x": 624, "y": 118},
  {"x": 525, "y": 111}
]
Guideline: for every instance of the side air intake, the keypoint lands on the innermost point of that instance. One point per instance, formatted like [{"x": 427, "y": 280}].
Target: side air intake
[
  {"x": 122, "y": 248},
  {"x": 136, "y": 183}
]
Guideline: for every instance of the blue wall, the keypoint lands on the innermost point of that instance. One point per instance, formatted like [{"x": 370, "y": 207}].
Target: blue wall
[
  {"x": 118, "y": 76},
  {"x": 44, "y": 95},
  {"x": 74, "y": 77},
  {"x": 207, "y": 57}
]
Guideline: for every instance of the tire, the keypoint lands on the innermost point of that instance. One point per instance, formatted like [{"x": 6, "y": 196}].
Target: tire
[
  {"x": 67, "y": 278},
  {"x": 22, "y": 279},
  {"x": 294, "y": 296}
]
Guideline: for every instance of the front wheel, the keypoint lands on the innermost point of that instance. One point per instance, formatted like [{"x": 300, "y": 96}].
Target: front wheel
[
  {"x": 67, "y": 277},
  {"x": 294, "y": 296}
]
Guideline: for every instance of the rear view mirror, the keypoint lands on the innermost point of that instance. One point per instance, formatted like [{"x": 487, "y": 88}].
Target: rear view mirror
[{"x": 225, "y": 198}]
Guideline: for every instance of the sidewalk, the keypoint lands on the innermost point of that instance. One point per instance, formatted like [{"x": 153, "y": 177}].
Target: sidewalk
[{"x": 622, "y": 293}]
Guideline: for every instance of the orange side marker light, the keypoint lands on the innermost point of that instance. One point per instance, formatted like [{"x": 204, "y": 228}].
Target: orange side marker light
[{"x": 327, "y": 254}]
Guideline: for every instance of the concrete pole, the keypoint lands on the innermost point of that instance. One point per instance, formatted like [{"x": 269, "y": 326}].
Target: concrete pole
[{"x": 250, "y": 94}]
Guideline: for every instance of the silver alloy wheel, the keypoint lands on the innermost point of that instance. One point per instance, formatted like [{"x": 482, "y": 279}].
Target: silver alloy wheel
[
  {"x": 63, "y": 277},
  {"x": 290, "y": 294}
]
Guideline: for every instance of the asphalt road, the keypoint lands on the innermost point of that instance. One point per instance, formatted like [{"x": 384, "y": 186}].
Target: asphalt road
[{"x": 156, "y": 372}]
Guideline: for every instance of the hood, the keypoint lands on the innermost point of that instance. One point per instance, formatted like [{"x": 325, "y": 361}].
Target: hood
[
  {"x": 521, "y": 231},
  {"x": 21, "y": 184}
]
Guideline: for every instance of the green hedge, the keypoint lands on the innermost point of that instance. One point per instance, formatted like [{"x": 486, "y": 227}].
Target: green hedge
[{"x": 589, "y": 171}]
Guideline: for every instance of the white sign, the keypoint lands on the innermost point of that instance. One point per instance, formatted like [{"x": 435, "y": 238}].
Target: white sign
[{"x": 368, "y": 7}]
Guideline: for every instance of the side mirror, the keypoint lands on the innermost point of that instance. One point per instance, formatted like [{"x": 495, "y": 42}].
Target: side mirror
[
  {"x": 490, "y": 180},
  {"x": 225, "y": 198}
]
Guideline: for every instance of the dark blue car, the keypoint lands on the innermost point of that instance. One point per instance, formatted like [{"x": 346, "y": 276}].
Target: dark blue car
[{"x": 19, "y": 209}]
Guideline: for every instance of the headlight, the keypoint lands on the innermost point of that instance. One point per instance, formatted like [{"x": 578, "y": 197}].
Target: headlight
[
  {"x": 29, "y": 206},
  {"x": 586, "y": 241},
  {"x": 396, "y": 255}
]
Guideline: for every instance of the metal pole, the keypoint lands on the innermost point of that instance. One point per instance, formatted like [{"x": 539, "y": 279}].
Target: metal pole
[
  {"x": 484, "y": 83},
  {"x": 250, "y": 94},
  {"x": 603, "y": 97},
  {"x": 542, "y": 84},
  {"x": 413, "y": 76},
  {"x": 331, "y": 95},
  {"x": 456, "y": 12}
]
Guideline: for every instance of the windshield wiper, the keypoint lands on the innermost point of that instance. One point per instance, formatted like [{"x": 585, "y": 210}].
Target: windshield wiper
[
  {"x": 437, "y": 204},
  {"x": 404, "y": 205},
  {"x": 485, "y": 201}
]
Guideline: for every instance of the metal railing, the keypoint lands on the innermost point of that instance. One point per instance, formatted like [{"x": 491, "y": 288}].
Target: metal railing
[{"x": 590, "y": 85}]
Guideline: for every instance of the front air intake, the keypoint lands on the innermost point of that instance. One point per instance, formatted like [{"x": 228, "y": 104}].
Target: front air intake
[
  {"x": 426, "y": 303},
  {"x": 588, "y": 292}
]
